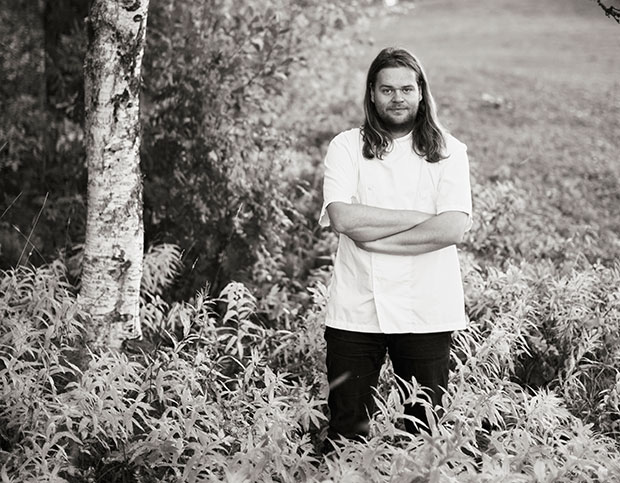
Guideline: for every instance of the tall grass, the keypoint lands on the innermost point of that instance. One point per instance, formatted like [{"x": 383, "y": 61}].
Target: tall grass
[{"x": 220, "y": 396}]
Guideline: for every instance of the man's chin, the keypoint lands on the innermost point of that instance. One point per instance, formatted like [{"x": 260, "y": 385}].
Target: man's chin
[{"x": 393, "y": 125}]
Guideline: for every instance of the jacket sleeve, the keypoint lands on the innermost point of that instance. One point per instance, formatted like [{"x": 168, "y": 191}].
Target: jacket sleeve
[
  {"x": 454, "y": 189},
  {"x": 340, "y": 176}
]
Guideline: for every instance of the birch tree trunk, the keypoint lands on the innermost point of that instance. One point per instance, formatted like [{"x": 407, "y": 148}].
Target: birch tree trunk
[{"x": 113, "y": 250}]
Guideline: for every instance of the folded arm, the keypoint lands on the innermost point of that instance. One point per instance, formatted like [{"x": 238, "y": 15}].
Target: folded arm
[
  {"x": 433, "y": 234},
  {"x": 364, "y": 223}
]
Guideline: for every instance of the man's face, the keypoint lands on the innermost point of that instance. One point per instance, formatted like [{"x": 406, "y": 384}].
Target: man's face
[{"x": 396, "y": 96}]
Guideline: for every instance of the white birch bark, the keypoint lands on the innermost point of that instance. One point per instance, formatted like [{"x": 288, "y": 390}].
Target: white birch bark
[{"x": 113, "y": 249}]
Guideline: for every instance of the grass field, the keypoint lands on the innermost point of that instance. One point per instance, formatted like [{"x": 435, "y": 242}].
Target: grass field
[{"x": 570, "y": 42}]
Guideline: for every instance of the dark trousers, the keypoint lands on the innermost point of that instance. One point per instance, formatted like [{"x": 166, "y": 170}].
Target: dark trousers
[{"x": 354, "y": 360}]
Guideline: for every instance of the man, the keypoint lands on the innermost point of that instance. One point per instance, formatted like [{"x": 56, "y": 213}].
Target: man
[{"x": 398, "y": 193}]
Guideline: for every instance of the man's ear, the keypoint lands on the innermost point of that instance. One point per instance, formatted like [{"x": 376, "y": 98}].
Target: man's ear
[{"x": 372, "y": 94}]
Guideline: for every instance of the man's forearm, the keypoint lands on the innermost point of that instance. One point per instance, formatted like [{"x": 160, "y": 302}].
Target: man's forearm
[
  {"x": 390, "y": 247},
  {"x": 438, "y": 232},
  {"x": 367, "y": 223}
]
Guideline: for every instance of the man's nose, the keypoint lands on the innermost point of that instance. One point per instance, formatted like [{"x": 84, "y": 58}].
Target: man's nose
[{"x": 398, "y": 96}]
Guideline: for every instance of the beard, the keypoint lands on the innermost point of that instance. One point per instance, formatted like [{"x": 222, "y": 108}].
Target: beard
[{"x": 391, "y": 122}]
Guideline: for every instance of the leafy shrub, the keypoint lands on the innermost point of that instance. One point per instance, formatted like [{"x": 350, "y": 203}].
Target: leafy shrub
[
  {"x": 567, "y": 307},
  {"x": 225, "y": 398},
  {"x": 222, "y": 120},
  {"x": 221, "y": 125},
  {"x": 207, "y": 404},
  {"x": 41, "y": 154}
]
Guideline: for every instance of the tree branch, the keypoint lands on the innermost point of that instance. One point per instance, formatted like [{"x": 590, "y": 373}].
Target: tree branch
[{"x": 610, "y": 11}]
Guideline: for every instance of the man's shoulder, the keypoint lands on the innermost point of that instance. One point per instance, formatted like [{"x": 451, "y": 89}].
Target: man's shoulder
[
  {"x": 453, "y": 145},
  {"x": 455, "y": 150},
  {"x": 351, "y": 137}
]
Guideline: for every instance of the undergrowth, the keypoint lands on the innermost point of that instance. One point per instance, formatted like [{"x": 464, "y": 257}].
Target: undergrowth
[{"x": 214, "y": 393}]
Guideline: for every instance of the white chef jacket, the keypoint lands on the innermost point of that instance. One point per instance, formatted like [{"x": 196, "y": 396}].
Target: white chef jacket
[{"x": 383, "y": 293}]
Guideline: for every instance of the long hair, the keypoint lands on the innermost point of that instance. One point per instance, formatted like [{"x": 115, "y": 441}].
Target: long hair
[{"x": 428, "y": 135}]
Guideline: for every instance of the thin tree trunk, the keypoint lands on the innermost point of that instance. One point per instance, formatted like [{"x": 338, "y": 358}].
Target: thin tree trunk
[{"x": 113, "y": 250}]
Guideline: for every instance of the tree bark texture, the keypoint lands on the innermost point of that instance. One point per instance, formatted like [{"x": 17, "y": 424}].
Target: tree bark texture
[{"x": 113, "y": 250}]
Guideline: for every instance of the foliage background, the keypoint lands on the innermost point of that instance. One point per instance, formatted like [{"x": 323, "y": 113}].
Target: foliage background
[{"x": 238, "y": 106}]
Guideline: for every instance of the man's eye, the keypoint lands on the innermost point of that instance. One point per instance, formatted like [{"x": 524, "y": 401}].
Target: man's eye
[
  {"x": 386, "y": 91},
  {"x": 407, "y": 90}
]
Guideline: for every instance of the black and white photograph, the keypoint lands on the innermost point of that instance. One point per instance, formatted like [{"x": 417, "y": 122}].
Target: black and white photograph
[{"x": 289, "y": 241}]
